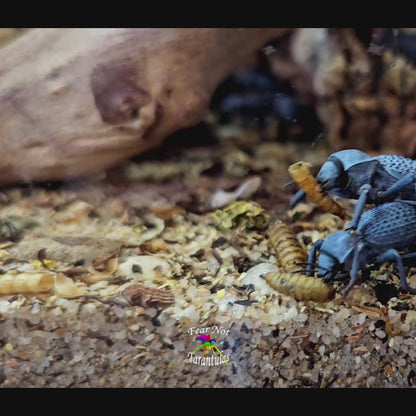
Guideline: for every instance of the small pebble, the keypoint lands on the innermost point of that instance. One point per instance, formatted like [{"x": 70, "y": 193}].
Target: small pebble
[
  {"x": 380, "y": 333},
  {"x": 221, "y": 293},
  {"x": 342, "y": 315},
  {"x": 8, "y": 347},
  {"x": 361, "y": 318}
]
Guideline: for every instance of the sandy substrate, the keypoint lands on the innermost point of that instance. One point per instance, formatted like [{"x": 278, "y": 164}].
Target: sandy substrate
[{"x": 150, "y": 225}]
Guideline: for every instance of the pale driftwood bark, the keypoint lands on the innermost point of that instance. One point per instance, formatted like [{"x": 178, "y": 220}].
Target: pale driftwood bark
[{"x": 77, "y": 101}]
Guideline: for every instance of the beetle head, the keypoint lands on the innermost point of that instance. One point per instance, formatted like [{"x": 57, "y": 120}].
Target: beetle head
[
  {"x": 335, "y": 252},
  {"x": 333, "y": 174},
  {"x": 328, "y": 266}
]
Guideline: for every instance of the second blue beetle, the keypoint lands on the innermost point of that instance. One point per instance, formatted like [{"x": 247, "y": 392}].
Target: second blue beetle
[{"x": 384, "y": 233}]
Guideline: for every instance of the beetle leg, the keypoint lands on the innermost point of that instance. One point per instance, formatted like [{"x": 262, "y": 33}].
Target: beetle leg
[
  {"x": 297, "y": 198},
  {"x": 359, "y": 207},
  {"x": 407, "y": 201},
  {"x": 393, "y": 255},
  {"x": 312, "y": 257},
  {"x": 392, "y": 192},
  {"x": 409, "y": 258},
  {"x": 354, "y": 270}
]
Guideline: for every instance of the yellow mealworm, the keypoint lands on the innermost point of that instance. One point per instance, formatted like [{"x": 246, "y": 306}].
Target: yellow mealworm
[
  {"x": 26, "y": 283},
  {"x": 290, "y": 254},
  {"x": 300, "y": 287},
  {"x": 301, "y": 174}
]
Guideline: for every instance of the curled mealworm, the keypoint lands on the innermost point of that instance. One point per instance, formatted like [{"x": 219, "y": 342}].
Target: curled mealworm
[
  {"x": 292, "y": 258},
  {"x": 301, "y": 174}
]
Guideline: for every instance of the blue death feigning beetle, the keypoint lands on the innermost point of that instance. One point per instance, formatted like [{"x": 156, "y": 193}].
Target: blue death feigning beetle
[
  {"x": 353, "y": 174},
  {"x": 384, "y": 233}
]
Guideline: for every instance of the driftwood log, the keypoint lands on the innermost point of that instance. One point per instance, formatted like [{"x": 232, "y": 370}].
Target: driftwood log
[{"x": 77, "y": 101}]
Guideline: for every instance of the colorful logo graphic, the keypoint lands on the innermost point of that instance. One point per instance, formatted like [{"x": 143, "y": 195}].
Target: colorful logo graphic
[{"x": 208, "y": 344}]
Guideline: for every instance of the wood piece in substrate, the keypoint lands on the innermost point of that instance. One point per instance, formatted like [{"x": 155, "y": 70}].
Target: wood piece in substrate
[{"x": 147, "y": 297}]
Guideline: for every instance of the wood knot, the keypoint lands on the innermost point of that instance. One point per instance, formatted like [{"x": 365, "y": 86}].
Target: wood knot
[{"x": 117, "y": 94}]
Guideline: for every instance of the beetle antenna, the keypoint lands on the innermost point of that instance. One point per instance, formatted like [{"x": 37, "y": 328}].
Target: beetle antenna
[
  {"x": 289, "y": 184},
  {"x": 307, "y": 263}
]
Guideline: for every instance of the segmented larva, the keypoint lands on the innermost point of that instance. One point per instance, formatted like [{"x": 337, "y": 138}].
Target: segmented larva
[
  {"x": 300, "y": 287},
  {"x": 26, "y": 283},
  {"x": 290, "y": 254},
  {"x": 301, "y": 174}
]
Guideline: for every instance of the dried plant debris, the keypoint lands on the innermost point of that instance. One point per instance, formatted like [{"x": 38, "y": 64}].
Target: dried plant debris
[
  {"x": 138, "y": 275},
  {"x": 244, "y": 191},
  {"x": 63, "y": 247},
  {"x": 148, "y": 228},
  {"x": 246, "y": 215},
  {"x": 65, "y": 287},
  {"x": 7, "y": 34},
  {"x": 164, "y": 171},
  {"x": 12, "y": 228}
]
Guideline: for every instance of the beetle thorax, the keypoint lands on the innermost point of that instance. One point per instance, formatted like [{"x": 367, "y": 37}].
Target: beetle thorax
[{"x": 336, "y": 253}]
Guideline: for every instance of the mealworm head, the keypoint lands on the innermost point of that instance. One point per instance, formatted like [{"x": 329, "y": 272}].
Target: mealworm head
[
  {"x": 301, "y": 174},
  {"x": 301, "y": 287}
]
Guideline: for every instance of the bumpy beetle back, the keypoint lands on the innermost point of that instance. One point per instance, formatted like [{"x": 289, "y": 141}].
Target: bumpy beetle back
[
  {"x": 397, "y": 166},
  {"x": 389, "y": 225},
  {"x": 338, "y": 245},
  {"x": 385, "y": 233}
]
